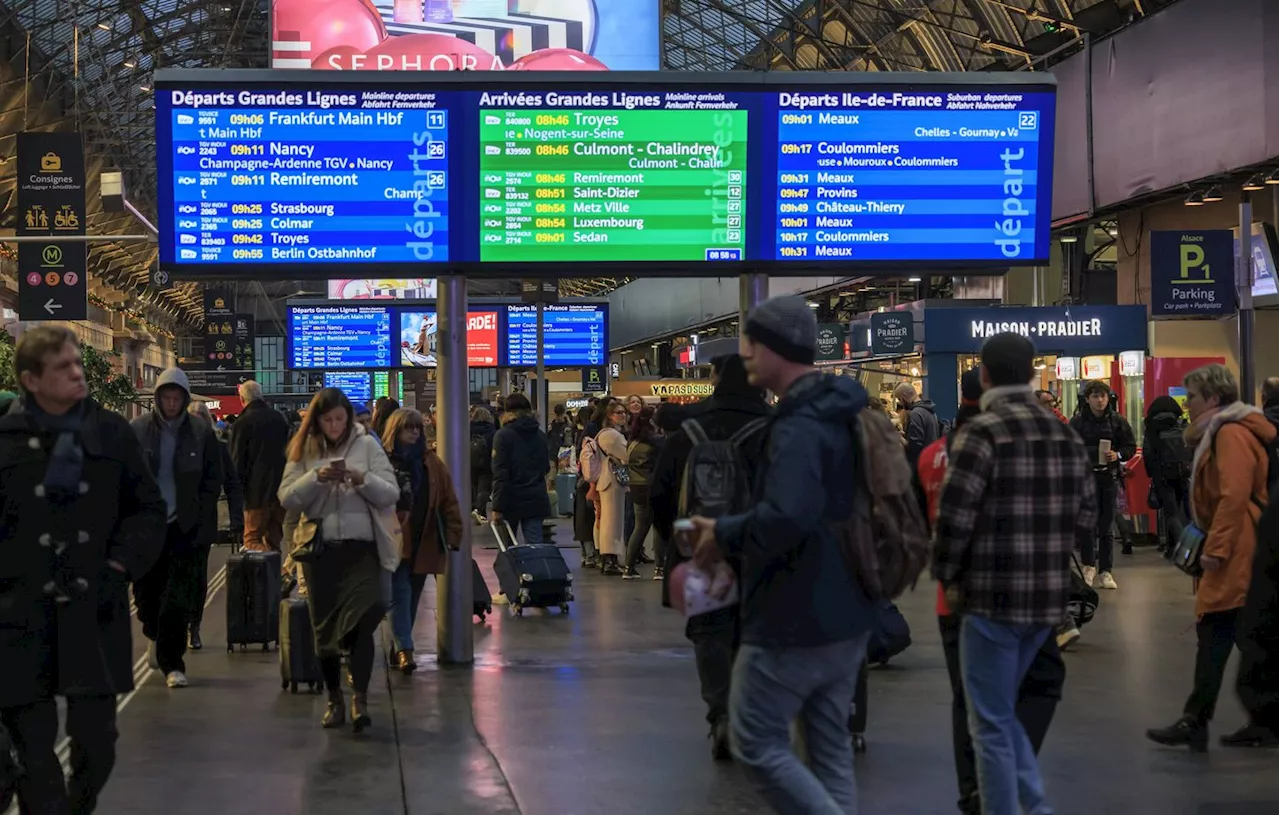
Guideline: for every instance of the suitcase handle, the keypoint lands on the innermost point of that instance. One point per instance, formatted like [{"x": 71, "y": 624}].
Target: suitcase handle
[{"x": 497, "y": 534}]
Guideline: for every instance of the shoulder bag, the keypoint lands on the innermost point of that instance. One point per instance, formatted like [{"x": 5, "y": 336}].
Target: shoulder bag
[
  {"x": 308, "y": 535},
  {"x": 1187, "y": 551}
]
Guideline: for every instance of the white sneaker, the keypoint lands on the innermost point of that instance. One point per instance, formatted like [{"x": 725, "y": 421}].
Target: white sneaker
[
  {"x": 1106, "y": 581},
  {"x": 1090, "y": 572},
  {"x": 176, "y": 679},
  {"x": 1067, "y": 636}
]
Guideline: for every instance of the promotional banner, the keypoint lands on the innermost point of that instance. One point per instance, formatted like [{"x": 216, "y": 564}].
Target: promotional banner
[
  {"x": 1193, "y": 272},
  {"x": 830, "y": 341},
  {"x": 892, "y": 332},
  {"x": 388, "y": 289},
  {"x": 466, "y": 35},
  {"x": 51, "y": 202},
  {"x": 418, "y": 334}
]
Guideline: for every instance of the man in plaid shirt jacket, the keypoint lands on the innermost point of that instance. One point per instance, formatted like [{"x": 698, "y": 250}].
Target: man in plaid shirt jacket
[{"x": 1018, "y": 492}]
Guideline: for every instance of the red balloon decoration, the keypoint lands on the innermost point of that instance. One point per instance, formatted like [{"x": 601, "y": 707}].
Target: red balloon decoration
[
  {"x": 558, "y": 59},
  {"x": 324, "y": 25}
]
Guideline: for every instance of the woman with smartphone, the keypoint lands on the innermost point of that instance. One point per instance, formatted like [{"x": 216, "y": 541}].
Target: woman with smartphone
[{"x": 342, "y": 482}]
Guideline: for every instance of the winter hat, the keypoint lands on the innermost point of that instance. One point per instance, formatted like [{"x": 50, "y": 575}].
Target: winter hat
[
  {"x": 786, "y": 326},
  {"x": 971, "y": 387}
]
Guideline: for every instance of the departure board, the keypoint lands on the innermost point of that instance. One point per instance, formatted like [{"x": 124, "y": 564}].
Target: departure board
[
  {"x": 355, "y": 384},
  {"x": 594, "y": 176},
  {"x": 340, "y": 337},
  {"x": 305, "y": 177},
  {"x": 880, "y": 176},
  {"x": 573, "y": 335}
]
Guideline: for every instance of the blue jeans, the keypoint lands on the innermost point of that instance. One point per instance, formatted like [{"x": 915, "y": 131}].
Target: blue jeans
[
  {"x": 771, "y": 688},
  {"x": 994, "y": 658},
  {"x": 530, "y": 528},
  {"x": 406, "y": 591}
]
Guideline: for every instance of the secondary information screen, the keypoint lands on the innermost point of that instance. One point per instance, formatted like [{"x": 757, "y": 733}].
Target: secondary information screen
[
  {"x": 572, "y": 335},
  {"x": 580, "y": 177},
  {"x": 910, "y": 176},
  {"x": 307, "y": 177},
  {"x": 337, "y": 337}
]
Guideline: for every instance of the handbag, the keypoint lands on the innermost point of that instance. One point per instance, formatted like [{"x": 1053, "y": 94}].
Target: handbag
[
  {"x": 1153, "y": 497},
  {"x": 1187, "y": 551},
  {"x": 621, "y": 473},
  {"x": 308, "y": 535}
]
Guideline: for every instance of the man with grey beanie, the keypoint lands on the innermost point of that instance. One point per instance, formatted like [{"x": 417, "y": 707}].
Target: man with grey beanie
[{"x": 805, "y": 619}]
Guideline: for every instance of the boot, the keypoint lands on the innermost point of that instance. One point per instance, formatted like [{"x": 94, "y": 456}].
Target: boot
[
  {"x": 360, "y": 713},
  {"x": 1187, "y": 731},
  {"x": 720, "y": 741},
  {"x": 335, "y": 714},
  {"x": 193, "y": 638},
  {"x": 405, "y": 663}
]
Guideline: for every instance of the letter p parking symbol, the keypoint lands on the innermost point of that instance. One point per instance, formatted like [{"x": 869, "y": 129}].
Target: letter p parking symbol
[{"x": 1191, "y": 259}]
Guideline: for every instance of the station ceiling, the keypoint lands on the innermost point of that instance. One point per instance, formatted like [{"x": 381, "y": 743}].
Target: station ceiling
[{"x": 88, "y": 64}]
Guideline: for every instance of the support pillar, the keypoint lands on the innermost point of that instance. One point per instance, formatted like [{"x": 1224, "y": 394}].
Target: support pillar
[
  {"x": 1244, "y": 296},
  {"x": 753, "y": 289},
  {"x": 454, "y": 643}
]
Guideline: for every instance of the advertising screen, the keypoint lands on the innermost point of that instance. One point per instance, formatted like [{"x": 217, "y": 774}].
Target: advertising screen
[
  {"x": 417, "y": 338},
  {"x": 596, "y": 181},
  {"x": 355, "y": 384},
  {"x": 574, "y": 335},
  {"x": 302, "y": 177},
  {"x": 339, "y": 337},
  {"x": 880, "y": 176},
  {"x": 389, "y": 289},
  {"x": 466, "y": 35}
]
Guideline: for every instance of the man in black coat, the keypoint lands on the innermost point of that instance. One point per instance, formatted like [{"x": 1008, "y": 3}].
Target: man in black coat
[
  {"x": 520, "y": 467},
  {"x": 82, "y": 516},
  {"x": 186, "y": 461},
  {"x": 258, "y": 441},
  {"x": 733, "y": 404}
]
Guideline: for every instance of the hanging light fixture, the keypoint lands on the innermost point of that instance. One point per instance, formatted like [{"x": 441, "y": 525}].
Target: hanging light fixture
[
  {"x": 1195, "y": 199},
  {"x": 1273, "y": 177},
  {"x": 1068, "y": 237},
  {"x": 1213, "y": 194},
  {"x": 1254, "y": 183}
]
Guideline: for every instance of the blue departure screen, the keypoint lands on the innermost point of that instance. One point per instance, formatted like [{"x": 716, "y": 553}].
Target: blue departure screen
[
  {"x": 573, "y": 335},
  {"x": 357, "y": 385},
  {"x": 339, "y": 337},
  {"x": 958, "y": 175},
  {"x": 304, "y": 177}
]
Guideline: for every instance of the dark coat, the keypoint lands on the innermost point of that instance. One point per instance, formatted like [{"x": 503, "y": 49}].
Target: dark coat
[
  {"x": 119, "y": 516},
  {"x": 520, "y": 467},
  {"x": 1111, "y": 426},
  {"x": 922, "y": 430},
  {"x": 1153, "y": 452},
  {"x": 482, "y": 434},
  {"x": 231, "y": 487},
  {"x": 258, "y": 441},
  {"x": 197, "y": 472}
]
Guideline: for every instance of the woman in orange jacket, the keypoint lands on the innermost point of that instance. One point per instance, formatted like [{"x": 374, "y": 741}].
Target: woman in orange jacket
[{"x": 1229, "y": 469}]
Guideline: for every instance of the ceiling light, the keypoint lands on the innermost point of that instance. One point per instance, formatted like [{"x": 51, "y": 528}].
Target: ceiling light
[
  {"x": 1254, "y": 183},
  {"x": 145, "y": 88},
  {"x": 1195, "y": 199},
  {"x": 128, "y": 63},
  {"x": 104, "y": 26},
  {"x": 1068, "y": 237},
  {"x": 813, "y": 305},
  {"x": 913, "y": 280},
  {"x": 1212, "y": 194},
  {"x": 1273, "y": 177}
]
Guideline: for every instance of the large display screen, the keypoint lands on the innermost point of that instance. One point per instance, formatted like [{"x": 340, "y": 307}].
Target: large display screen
[
  {"x": 543, "y": 174},
  {"x": 417, "y": 339},
  {"x": 573, "y": 335},
  {"x": 910, "y": 176},
  {"x": 418, "y": 288},
  {"x": 338, "y": 337},
  {"x": 252, "y": 178},
  {"x": 582, "y": 177},
  {"x": 355, "y": 384}
]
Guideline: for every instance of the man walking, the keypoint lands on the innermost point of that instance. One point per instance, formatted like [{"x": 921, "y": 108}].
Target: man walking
[
  {"x": 805, "y": 619},
  {"x": 1017, "y": 492},
  {"x": 83, "y": 518},
  {"x": 183, "y": 453},
  {"x": 1109, "y": 443},
  {"x": 258, "y": 441},
  {"x": 919, "y": 421}
]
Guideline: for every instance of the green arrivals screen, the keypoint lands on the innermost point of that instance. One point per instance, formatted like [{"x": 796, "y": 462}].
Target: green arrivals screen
[{"x": 612, "y": 185}]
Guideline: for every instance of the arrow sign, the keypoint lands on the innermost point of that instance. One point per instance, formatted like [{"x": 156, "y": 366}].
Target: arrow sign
[{"x": 51, "y": 306}]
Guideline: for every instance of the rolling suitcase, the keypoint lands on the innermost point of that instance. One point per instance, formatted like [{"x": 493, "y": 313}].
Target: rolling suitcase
[
  {"x": 481, "y": 601},
  {"x": 566, "y": 487},
  {"x": 531, "y": 576},
  {"x": 298, "y": 662},
  {"x": 253, "y": 599}
]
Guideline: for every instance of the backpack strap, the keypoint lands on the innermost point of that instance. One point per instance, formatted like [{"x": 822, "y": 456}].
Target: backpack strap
[
  {"x": 694, "y": 431},
  {"x": 748, "y": 430}
]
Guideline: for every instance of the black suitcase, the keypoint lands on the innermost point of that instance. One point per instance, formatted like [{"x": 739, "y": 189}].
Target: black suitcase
[
  {"x": 253, "y": 599},
  {"x": 481, "y": 603},
  {"x": 531, "y": 576},
  {"x": 298, "y": 662}
]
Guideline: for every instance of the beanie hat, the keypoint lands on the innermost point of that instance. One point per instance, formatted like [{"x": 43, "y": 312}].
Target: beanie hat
[
  {"x": 786, "y": 326},
  {"x": 971, "y": 387}
]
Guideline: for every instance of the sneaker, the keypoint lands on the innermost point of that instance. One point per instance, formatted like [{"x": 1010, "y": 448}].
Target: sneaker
[
  {"x": 1251, "y": 735},
  {"x": 193, "y": 638},
  {"x": 1187, "y": 732},
  {"x": 1126, "y": 549},
  {"x": 591, "y": 562},
  {"x": 176, "y": 679},
  {"x": 1067, "y": 635},
  {"x": 630, "y": 573},
  {"x": 152, "y": 662},
  {"x": 659, "y": 573},
  {"x": 1106, "y": 581},
  {"x": 478, "y": 518},
  {"x": 611, "y": 567},
  {"x": 1090, "y": 572}
]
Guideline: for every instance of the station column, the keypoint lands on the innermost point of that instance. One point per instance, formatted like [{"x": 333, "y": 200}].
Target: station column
[
  {"x": 753, "y": 289},
  {"x": 454, "y": 644}
]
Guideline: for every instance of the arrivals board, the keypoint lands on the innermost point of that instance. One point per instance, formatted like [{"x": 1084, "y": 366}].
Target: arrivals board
[
  {"x": 346, "y": 177},
  {"x": 355, "y": 384},
  {"x": 573, "y": 335},
  {"x": 910, "y": 176},
  {"x": 340, "y": 337},
  {"x": 292, "y": 175},
  {"x": 590, "y": 177}
]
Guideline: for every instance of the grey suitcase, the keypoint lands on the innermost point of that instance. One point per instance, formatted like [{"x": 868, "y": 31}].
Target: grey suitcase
[{"x": 298, "y": 662}]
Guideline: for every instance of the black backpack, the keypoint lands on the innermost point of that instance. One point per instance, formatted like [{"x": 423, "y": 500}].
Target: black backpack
[
  {"x": 717, "y": 479},
  {"x": 1175, "y": 456},
  {"x": 480, "y": 453}
]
